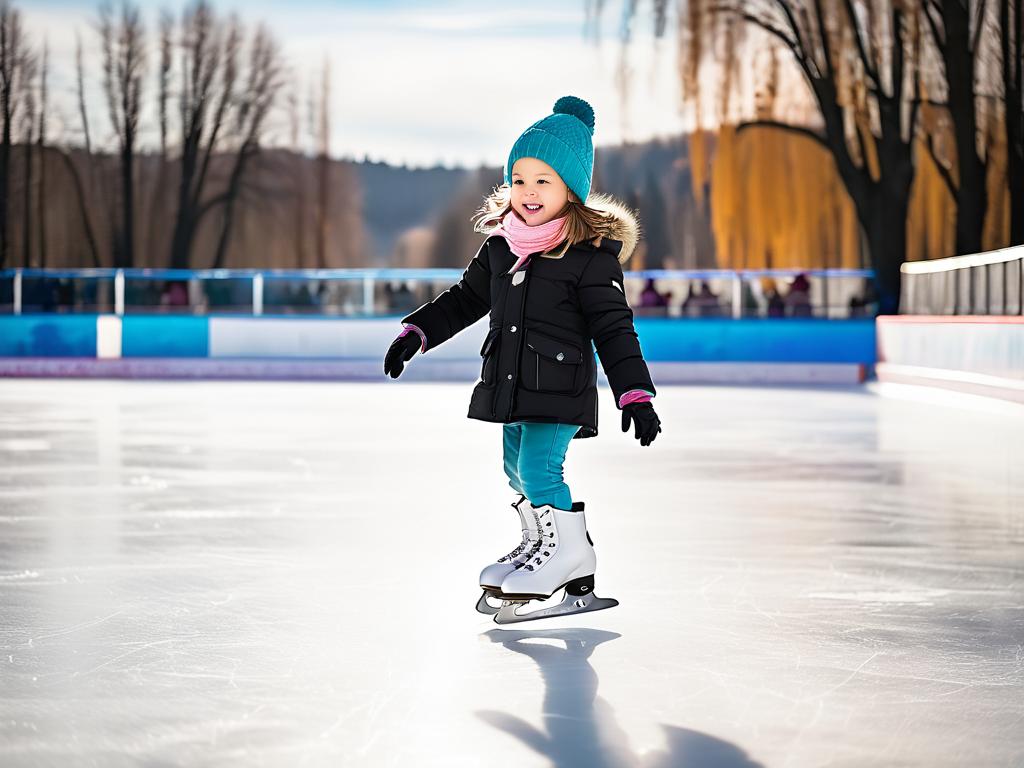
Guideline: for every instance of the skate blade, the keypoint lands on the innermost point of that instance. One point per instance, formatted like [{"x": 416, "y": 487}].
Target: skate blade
[
  {"x": 569, "y": 606},
  {"x": 484, "y": 606}
]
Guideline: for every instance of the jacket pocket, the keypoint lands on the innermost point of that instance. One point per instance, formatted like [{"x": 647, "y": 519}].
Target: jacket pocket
[
  {"x": 550, "y": 365},
  {"x": 490, "y": 356}
]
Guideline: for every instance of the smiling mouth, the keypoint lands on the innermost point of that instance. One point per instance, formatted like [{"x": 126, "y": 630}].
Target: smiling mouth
[{"x": 530, "y": 208}]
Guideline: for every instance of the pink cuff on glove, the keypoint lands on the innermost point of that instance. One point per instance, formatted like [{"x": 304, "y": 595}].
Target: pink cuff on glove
[
  {"x": 634, "y": 396},
  {"x": 409, "y": 328}
]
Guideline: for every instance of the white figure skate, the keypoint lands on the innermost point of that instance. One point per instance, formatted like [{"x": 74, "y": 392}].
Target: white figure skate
[
  {"x": 565, "y": 560},
  {"x": 492, "y": 576}
]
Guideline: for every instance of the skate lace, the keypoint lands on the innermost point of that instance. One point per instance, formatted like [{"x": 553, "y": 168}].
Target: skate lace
[
  {"x": 518, "y": 550},
  {"x": 546, "y": 543},
  {"x": 523, "y": 545}
]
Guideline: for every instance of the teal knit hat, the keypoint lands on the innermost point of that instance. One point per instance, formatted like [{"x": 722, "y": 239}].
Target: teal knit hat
[{"x": 564, "y": 141}]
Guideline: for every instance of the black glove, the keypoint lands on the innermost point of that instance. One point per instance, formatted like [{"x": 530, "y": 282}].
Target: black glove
[
  {"x": 646, "y": 421},
  {"x": 400, "y": 352}
]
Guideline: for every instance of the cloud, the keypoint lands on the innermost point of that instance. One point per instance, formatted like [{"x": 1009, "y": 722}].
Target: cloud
[{"x": 425, "y": 82}]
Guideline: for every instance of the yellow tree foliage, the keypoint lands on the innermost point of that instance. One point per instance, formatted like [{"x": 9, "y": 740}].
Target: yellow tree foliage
[
  {"x": 777, "y": 202},
  {"x": 931, "y": 225},
  {"x": 700, "y": 164},
  {"x": 996, "y": 232}
]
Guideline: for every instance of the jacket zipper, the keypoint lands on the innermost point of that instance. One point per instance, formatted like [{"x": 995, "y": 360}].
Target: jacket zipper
[
  {"x": 497, "y": 366},
  {"x": 519, "y": 347}
]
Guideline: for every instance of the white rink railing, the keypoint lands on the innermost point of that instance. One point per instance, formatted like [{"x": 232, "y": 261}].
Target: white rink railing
[
  {"x": 990, "y": 283},
  {"x": 375, "y": 292}
]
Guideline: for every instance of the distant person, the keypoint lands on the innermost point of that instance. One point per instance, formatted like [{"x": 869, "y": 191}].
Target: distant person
[
  {"x": 689, "y": 305},
  {"x": 776, "y": 304},
  {"x": 175, "y": 294},
  {"x": 650, "y": 297},
  {"x": 549, "y": 276},
  {"x": 798, "y": 300},
  {"x": 400, "y": 297},
  {"x": 708, "y": 301},
  {"x": 858, "y": 307},
  {"x": 702, "y": 302}
]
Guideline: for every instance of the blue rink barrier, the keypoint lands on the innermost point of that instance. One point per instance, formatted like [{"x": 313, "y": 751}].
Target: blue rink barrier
[
  {"x": 48, "y": 336},
  {"x": 790, "y": 340},
  {"x": 678, "y": 349},
  {"x": 165, "y": 336}
]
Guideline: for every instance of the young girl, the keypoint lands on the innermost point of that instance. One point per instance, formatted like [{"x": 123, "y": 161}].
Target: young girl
[{"x": 549, "y": 274}]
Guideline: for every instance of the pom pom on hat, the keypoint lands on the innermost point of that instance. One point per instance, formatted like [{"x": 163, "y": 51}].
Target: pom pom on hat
[{"x": 578, "y": 108}]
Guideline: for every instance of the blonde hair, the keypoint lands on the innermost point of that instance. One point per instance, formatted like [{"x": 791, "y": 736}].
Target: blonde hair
[{"x": 582, "y": 223}]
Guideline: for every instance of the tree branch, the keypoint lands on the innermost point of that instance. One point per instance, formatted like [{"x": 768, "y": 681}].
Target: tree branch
[
  {"x": 915, "y": 103},
  {"x": 823, "y": 34},
  {"x": 789, "y": 43},
  {"x": 938, "y": 35},
  {"x": 210, "y": 204},
  {"x": 862, "y": 146},
  {"x": 944, "y": 172},
  {"x": 805, "y": 49},
  {"x": 896, "y": 20},
  {"x": 861, "y": 52},
  {"x": 799, "y": 130},
  {"x": 979, "y": 25}
]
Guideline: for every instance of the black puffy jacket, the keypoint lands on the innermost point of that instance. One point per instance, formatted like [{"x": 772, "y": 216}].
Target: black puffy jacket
[{"x": 538, "y": 362}]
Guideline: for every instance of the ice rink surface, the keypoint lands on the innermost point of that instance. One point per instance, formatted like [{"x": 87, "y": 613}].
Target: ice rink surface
[{"x": 247, "y": 574}]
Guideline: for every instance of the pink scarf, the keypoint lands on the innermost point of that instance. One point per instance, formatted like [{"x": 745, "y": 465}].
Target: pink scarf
[{"x": 524, "y": 239}]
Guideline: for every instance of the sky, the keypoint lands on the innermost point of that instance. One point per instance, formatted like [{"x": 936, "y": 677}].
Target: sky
[{"x": 419, "y": 83}]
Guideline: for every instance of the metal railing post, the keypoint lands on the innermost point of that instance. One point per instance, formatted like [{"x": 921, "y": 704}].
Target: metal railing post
[
  {"x": 119, "y": 293},
  {"x": 1005, "y": 284},
  {"x": 368, "y": 295},
  {"x": 988, "y": 289},
  {"x": 971, "y": 291},
  {"x": 737, "y": 296},
  {"x": 17, "y": 291},
  {"x": 824, "y": 296},
  {"x": 257, "y": 294}
]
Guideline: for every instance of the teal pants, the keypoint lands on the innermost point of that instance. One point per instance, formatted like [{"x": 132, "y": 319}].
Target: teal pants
[{"x": 534, "y": 454}]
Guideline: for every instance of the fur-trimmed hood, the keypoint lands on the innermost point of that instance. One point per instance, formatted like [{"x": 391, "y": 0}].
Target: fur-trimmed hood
[{"x": 627, "y": 225}]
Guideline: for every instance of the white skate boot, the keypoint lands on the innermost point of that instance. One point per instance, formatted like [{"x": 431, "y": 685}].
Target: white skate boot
[
  {"x": 565, "y": 560},
  {"x": 492, "y": 576}
]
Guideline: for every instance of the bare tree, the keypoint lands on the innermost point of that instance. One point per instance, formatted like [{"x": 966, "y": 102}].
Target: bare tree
[
  {"x": 297, "y": 171},
  {"x": 83, "y": 113},
  {"x": 41, "y": 138},
  {"x": 868, "y": 100},
  {"x": 261, "y": 87},
  {"x": 1011, "y": 45},
  {"x": 323, "y": 165},
  {"x": 209, "y": 73},
  {"x": 859, "y": 60},
  {"x": 123, "y": 45},
  {"x": 164, "y": 74},
  {"x": 81, "y": 197},
  {"x": 956, "y": 31},
  {"x": 29, "y": 115},
  {"x": 158, "y": 192},
  {"x": 12, "y": 63}
]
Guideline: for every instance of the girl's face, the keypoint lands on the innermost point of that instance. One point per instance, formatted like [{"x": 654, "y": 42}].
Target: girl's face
[{"x": 535, "y": 183}]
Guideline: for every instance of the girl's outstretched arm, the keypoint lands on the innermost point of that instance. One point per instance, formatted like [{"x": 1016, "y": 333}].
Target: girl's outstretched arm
[{"x": 456, "y": 308}]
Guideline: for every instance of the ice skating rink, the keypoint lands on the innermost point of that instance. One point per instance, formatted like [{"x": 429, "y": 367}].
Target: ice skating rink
[{"x": 284, "y": 574}]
